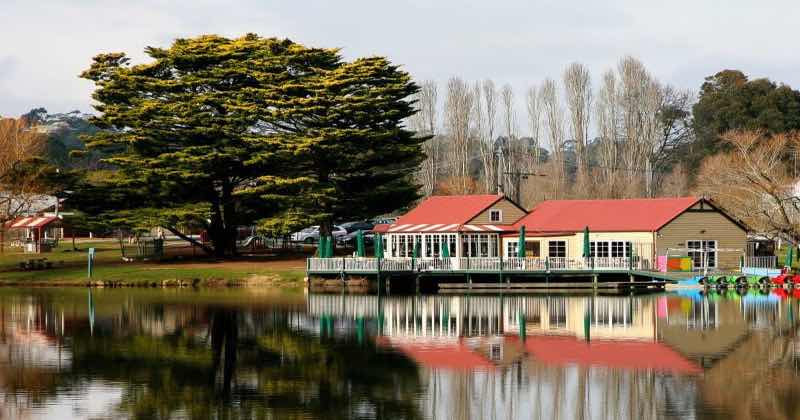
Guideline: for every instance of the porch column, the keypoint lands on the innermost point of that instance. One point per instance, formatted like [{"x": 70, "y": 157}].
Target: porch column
[{"x": 458, "y": 245}]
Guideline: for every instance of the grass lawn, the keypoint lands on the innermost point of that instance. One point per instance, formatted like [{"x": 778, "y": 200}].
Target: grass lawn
[{"x": 70, "y": 267}]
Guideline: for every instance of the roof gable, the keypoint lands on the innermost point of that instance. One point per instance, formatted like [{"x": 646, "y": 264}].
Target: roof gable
[
  {"x": 628, "y": 215},
  {"x": 449, "y": 209}
]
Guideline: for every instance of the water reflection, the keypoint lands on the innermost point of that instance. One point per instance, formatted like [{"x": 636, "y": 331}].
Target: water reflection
[{"x": 175, "y": 354}]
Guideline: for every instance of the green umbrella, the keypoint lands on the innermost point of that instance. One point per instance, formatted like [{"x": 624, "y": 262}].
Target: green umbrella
[
  {"x": 445, "y": 249},
  {"x": 329, "y": 247},
  {"x": 521, "y": 243},
  {"x": 789, "y": 256},
  {"x": 378, "y": 246},
  {"x": 360, "y": 244},
  {"x": 416, "y": 249},
  {"x": 587, "y": 249},
  {"x": 321, "y": 247}
]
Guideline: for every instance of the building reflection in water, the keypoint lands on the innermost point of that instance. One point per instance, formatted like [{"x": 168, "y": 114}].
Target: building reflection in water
[
  {"x": 438, "y": 356},
  {"x": 584, "y": 356}
]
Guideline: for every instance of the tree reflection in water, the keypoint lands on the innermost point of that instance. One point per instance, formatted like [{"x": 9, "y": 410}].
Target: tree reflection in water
[{"x": 165, "y": 354}]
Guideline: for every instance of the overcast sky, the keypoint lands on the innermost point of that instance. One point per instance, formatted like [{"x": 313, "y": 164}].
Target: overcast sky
[{"x": 47, "y": 43}]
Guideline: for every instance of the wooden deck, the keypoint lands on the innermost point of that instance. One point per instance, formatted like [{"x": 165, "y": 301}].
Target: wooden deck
[{"x": 515, "y": 267}]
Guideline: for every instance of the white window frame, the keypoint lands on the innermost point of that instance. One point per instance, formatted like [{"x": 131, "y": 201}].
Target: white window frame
[
  {"x": 712, "y": 255},
  {"x": 499, "y": 213},
  {"x": 549, "y": 254}
]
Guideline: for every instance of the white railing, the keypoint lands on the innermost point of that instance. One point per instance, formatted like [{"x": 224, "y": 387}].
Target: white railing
[
  {"x": 524, "y": 264},
  {"x": 761, "y": 262},
  {"x": 396, "y": 264},
  {"x": 360, "y": 264},
  {"x": 493, "y": 264},
  {"x": 436, "y": 264},
  {"x": 325, "y": 264}
]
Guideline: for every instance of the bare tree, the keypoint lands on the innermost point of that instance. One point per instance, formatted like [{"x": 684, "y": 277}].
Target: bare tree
[
  {"x": 457, "y": 114},
  {"x": 754, "y": 183},
  {"x": 640, "y": 99},
  {"x": 675, "y": 183},
  {"x": 608, "y": 115},
  {"x": 20, "y": 143},
  {"x": 513, "y": 152},
  {"x": 578, "y": 92},
  {"x": 424, "y": 122},
  {"x": 534, "y": 107},
  {"x": 554, "y": 125},
  {"x": 486, "y": 119}
]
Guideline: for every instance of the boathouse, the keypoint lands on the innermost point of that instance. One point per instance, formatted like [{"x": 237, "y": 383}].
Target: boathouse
[
  {"x": 477, "y": 237},
  {"x": 647, "y": 230},
  {"x": 468, "y": 225}
]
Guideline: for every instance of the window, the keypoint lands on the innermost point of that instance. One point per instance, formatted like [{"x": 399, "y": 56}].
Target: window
[
  {"x": 557, "y": 249},
  {"x": 511, "y": 249},
  {"x": 702, "y": 252},
  {"x": 532, "y": 249},
  {"x": 617, "y": 249},
  {"x": 496, "y": 215},
  {"x": 614, "y": 249}
]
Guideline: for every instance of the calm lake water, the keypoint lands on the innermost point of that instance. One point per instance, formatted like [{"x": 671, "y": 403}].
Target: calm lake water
[{"x": 130, "y": 353}]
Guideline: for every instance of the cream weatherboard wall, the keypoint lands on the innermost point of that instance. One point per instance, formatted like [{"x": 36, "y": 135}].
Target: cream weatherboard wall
[
  {"x": 643, "y": 240},
  {"x": 704, "y": 224},
  {"x": 509, "y": 211}
]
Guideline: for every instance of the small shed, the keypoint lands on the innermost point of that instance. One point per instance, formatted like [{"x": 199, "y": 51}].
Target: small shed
[{"x": 34, "y": 234}]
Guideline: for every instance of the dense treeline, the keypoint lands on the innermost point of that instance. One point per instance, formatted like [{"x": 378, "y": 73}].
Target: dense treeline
[
  {"x": 627, "y": 135},
  {"x": 215, "y": 133}
]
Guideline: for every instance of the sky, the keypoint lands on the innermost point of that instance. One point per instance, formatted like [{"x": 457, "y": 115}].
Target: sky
[{"x": 47, "y": 43}]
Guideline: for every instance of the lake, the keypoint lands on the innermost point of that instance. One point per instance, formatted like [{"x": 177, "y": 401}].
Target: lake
[{"x": 249, "y": 353}]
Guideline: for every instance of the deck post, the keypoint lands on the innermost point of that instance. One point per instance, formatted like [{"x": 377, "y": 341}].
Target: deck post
[
  {"x": 342, "y": 272},
  {"x": 594, "y": 280},
  {"x": 416, "y": 283},
  {"x": 501, "y": 268}
]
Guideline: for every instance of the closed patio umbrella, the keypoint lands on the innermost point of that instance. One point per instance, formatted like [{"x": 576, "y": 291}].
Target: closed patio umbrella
[
  {"x": 329, "y": 247},
  {"x": 586, "y": 245},
  {"x": 445, "y": 250},
  {"x": 789, "y": 256},
  {"x": 321, "y": 247},
  {"x": 360, "y": 244},
  {"x": 378, "y": 246},
  {"x": 521, "y": 243},
  {"x": 416, "y": 249}
]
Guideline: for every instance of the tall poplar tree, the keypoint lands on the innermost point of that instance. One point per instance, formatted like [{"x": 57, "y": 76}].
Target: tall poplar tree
[{"x": 223, "y": 132}]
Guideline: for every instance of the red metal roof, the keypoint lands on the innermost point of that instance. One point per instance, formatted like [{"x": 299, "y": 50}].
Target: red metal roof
[
  {"x": 448, "y": 209},
  {"x": 630, "y": 215},
  {"x": 30, "y": 222},
  {"x": 380, "y": 228},
  {"x": 634, "y": 355},
  {"x": 450, "y": 356}
]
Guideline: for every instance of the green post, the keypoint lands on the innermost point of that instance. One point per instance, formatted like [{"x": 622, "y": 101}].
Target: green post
[{"x": 90, "y": 257}]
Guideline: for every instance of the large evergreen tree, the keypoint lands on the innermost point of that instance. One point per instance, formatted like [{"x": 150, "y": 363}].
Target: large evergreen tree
[
  {"x": 728, "y": 100},
  {"x": 222, "y": 132}
]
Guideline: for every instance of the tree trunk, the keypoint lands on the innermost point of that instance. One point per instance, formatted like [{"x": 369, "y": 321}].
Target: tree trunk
[
  {"x": 230, "y": 221},
  {"x": 207, "y": 249}
]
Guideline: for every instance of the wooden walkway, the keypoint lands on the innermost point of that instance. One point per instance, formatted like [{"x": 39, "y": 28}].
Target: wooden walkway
[{"x": 551, "y": 286}]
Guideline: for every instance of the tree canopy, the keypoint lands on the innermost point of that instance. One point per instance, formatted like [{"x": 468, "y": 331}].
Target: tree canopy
[
  {"x": 220, "y": 132},
  {"x": 728, "y": 101}
]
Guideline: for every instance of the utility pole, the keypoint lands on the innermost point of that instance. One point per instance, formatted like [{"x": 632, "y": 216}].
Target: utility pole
[{"x": 518, "y": 176}]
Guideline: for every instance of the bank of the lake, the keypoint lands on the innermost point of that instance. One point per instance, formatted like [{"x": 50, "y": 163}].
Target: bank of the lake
[{"x": 68, "y": 267}]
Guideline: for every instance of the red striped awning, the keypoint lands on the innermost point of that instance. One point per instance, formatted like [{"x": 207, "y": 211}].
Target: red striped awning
[
  {"x": 434, "y": 228},
  {"x": 30, "y": 222}
]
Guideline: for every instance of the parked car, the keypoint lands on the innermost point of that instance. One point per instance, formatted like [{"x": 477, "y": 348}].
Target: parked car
[
  {"x": 351, "y": 227},
  {"x": 350, "y": 238},
  {"x": 385, "y": 221},
  {"x": 311, "y": 234}
]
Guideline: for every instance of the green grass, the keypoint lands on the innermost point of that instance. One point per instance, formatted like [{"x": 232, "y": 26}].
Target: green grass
[{"x": 70, "y": 267}]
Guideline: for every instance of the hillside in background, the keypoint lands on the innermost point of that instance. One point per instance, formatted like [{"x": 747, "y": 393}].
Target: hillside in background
[{"x": 65, "y": 133}]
